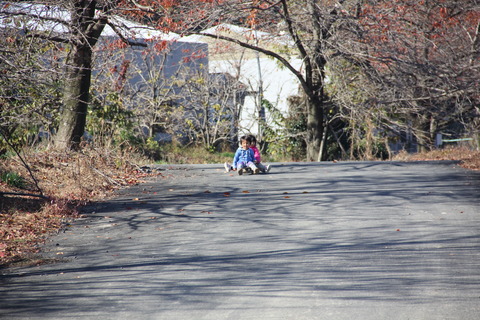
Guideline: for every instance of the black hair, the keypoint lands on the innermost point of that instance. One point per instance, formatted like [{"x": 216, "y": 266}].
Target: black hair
[
  {"x": 252, "y": 138},
  {"x": 248, "y": 138}
]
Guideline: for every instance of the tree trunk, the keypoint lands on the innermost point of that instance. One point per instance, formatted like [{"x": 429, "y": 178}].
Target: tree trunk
[
  {"x": 314, "y": 75},
  {"x": 314, "y": 128},
  {"x": 76, "y": 97},
  {"x": 78, "y": 74}
]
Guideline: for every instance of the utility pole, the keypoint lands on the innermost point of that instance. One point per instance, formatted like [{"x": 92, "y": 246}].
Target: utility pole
[{"x": 260, "y": 107}]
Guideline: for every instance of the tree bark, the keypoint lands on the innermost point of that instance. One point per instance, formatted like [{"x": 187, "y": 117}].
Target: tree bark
[
  {"x": 315, "y": 76},
  {"x": 314, "y": 128},
  {"x": 76, "y": 97},
  {"x": 78, "y": 74}
]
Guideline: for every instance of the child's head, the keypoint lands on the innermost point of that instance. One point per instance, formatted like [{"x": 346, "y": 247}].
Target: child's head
[
  {"x": 253, "y": 140},
  {"x": 245, "y": 142}
]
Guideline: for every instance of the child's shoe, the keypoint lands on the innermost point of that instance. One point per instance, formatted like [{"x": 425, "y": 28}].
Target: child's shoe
[
  {"x": 240, "y": 171},
  {"x": 227, "y": 167},
  {"x": 267, "y": 169},
  {"x": 256, "y": 170}
]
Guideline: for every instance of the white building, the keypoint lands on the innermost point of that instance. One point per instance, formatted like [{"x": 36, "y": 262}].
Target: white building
[{"x": 257, "y": 71}]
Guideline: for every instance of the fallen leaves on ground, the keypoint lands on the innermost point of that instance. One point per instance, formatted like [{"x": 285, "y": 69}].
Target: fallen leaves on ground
[
  {"x": 68, "y": 181},
  {"x": 469, "y": 159}
]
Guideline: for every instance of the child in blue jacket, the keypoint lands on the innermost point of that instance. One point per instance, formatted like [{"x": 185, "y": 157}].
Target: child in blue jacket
[{"x": 244, "y": 158}]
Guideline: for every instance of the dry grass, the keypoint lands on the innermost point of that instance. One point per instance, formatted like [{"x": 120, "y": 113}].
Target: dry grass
[
  {"x": 469, "y": 159},
  {"x": 71, "y": 180},
  {"x": 66, "y": 181}
]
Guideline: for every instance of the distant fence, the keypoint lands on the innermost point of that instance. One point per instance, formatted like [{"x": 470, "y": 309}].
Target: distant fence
[{"x": 439, "y": 140}]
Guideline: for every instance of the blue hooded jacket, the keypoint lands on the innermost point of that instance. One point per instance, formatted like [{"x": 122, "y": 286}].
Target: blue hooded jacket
[{"x": 242, "y": 155}]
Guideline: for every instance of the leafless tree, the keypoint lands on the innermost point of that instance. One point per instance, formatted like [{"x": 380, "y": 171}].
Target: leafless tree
[
  {"x": 418, "y": 60},
  {"x": 416, "y": 67},
  {"x": 76, "y": 26},
  {"x": 29, "y": 82}
]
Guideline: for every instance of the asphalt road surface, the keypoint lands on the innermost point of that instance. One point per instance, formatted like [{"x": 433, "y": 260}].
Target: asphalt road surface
[{"x": 347, "y": 240}]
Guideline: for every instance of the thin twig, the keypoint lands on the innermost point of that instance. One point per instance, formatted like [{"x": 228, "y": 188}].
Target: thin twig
[
  {"x": 23, "y": 195},
  {"x": 112, "y": 181},
  {"x": 23, "y": 161}
]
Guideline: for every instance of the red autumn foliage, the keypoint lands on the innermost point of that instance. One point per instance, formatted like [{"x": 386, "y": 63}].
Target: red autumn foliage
[{"x": 395, "y": 28}]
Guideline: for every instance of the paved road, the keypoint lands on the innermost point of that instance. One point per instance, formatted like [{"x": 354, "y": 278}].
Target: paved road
[{"x": 353, "y": 240}]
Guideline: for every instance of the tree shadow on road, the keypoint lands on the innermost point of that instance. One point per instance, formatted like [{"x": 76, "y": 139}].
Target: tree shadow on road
[{"x": 328, "y": 236}]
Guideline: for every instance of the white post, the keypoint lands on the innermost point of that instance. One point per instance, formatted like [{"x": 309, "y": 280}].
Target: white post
[{"x": 438, "y": 140}]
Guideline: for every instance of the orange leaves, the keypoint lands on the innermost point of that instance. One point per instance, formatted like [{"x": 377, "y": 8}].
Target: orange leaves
[
  {"x": 20, "y": 231},
  {"x": 472, "y": 17},
  {"x": 443, "y": 12},
  {"x": 114, "y": 45},
  {"x": 167, "y": 4},
  {"x": 70, "y": 180},
  {"x": 404, "y": 29},
  {"x": 257, "y": 6}
]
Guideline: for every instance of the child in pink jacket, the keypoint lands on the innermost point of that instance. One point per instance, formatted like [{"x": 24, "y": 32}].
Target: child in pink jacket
[{"x": 256, "y": 154}]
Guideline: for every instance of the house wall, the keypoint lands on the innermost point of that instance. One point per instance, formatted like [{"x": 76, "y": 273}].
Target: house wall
[
  {"x": 256, "y": 71},
  {"x": 278, "y": 84}
]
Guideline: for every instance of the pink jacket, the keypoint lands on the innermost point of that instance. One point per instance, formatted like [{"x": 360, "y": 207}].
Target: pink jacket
[{"x": 256, "y": 154}]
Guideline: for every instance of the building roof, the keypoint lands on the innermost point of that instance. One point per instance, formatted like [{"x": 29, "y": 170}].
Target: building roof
[
  {"x": 42, "y": 18},
  {"x": 248, "y": 34}
]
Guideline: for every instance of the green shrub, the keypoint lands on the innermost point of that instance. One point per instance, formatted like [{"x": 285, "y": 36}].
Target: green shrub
[
  {"x": 13, "y": 179},
  {"x": 284, "y": 135}
]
